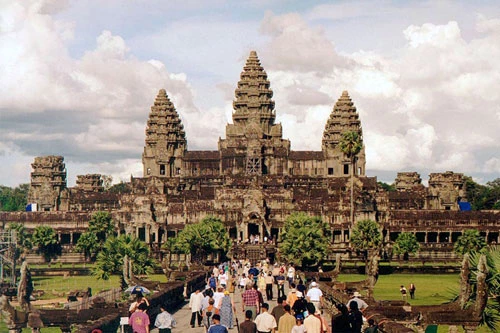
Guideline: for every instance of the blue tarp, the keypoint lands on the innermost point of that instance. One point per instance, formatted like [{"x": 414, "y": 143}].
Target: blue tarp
[{"x": 465, "y": 206}]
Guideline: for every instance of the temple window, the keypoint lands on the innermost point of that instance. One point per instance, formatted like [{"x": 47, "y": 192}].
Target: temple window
[
  {"x": 346, "y": 169},
  {"x": 162, "y": 169},
  {"x": 330, "y": 171},
  {"x": 148, "y": 171}
]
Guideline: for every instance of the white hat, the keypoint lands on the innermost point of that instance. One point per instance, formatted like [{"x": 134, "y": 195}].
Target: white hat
[
  {"x": 314, "y": 284},
  {"x": 299, "y": 294},
  {"x": 356, "y": 294}
]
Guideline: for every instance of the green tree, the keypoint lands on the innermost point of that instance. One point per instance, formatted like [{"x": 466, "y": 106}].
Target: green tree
[
  {"x": 304, "y": 240},
  {"x": 483, "y": 197},
  {"x": 45, "y": 238},
  {"x": 12, "y": 200},
  {"x": 120, "y": 188},
  {"x": 101, "y": 226},
  {"x": 201, "y": 239},
  {"x": 110, "y": 259},
  {"x": 406, "y": 244},
  {"x": 387, "y": 187},
  {"x": 491, "y": 314},
  {"x": 366, "y": 236},
  {"x": 470, "y": 241},
  {"x": 351, "y": 144},
  {"x": 23, "y": 239}
]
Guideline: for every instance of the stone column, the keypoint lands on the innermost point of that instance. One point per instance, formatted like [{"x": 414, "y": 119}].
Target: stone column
[
  {"x": 71, "y": 238},
  {"x": 426, "y": 238},
  {"x": 147, "y": 234},
  {"x": 59, "y": 236}
]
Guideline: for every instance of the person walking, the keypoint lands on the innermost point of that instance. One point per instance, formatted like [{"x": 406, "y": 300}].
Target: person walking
[
  {"x": 404, "y": 293},
  {"x": 216, "y": 327},
  {"x": 278, "y": 310},
  {"x": 195, "y": 304},
  {"x": 269, "y": 286},
  {"x": 250, "y": 300},
  {"x": 286, "y": 321},
  {"x": 355, "y": 317},
  {"x": 412, "y": 291},
  {"x": 265, "y": 322},
  {"x": 312, "y": 324},
  {"x": 248, "y": 326},
  {"x": 315, "y": 295},
  {"x": 139, "y": 320},
  {"x": 164, "y": 320},
  {"x": 226, "y": 310}
]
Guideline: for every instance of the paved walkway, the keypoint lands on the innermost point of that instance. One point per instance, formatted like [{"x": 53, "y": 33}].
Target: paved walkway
[{"x": 183, "y": 315}]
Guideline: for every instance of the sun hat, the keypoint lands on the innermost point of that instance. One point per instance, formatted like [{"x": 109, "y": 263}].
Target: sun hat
[
  {"x": 314, "y": 284},
  {"x": 299, "y": 294},
  {"x": 226, "y": 292},
  {"x": 356, "y": 294}
]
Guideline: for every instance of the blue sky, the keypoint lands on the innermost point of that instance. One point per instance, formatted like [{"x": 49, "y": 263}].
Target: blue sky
[{"x": 79, "y": 77}]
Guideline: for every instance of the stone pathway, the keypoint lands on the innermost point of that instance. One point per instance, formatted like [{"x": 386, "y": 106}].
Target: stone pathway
[{"x": 183, "y": 315}]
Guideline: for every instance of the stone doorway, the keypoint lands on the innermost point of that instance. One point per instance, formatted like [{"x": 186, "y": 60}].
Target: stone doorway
[{"x": 253, "y": 229}]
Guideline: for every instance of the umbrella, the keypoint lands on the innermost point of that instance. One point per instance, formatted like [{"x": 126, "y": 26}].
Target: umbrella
[{"x": 137, "y": 289}]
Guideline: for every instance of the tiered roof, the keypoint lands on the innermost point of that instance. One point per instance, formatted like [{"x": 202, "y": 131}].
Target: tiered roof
[
  {"x": 253, "y": 96},
  {"x": 164, "y": 128},
  {"x": 343, "y": 118}
]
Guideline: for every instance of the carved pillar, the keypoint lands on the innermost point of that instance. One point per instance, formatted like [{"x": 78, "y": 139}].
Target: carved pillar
[
  {"x": 426, "y": 239},
  {"x": 59, "y": 237},
  {"x": 158, "y": 239},
  {"x": 71, "y": 238},
  {"x": 147, "y": 234}
]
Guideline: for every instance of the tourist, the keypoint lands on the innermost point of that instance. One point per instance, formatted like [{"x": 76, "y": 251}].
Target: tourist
[
  {"x": 292, "y": 295},
  {"x": 404, "y": 293},
  {"x": 164, "y": 320},
  {"x": 280, "y": 279},
  {"x": 139, "y": 320},
  {"x": 278, "y": 310},
  {"x": 223, "y": 277},
  {"x": 207, "y": 313},
  {"x": 265, "y": 322},
  {"x": 286, "y": 321},
  {"x": 269, "y": 286},
  {"x": 259, "y": 294},
  {"x": 355, "y": 318},
  {"x": 412, "y": 291},
  {"x": 216, "y": 327},
  {"x": 324, "y": 325},
  {"x": 290, "y": 275},
  {"x": 299, "y": 327},
  {"x": 300, "y": 305},
  {"x": 276, "y": 272},
  {"x": 226, "y": 310},
  {"x": 362, "y": 305},
  {"x": 250, "y": 300},
  {"x": 340, "y": 322},
  {"x": 218, "y": 296},
  {"x": 312, "y": 324},
  {"x": 212, "y": 282},
  {"x": 139, "y": 299},
  {"x": 243, "y": 281},
  {"x": 301, "y": 286},
  {"x": 195, "y": 304},
  {"x": 372, "y": 328},
  {"x": 261, "y": 282},
  {"x": 248, "y": 326},
  {"x": 315, "y": 295}
]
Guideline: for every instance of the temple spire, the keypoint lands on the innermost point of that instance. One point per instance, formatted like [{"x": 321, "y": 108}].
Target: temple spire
[
  {"x": 253, "y": 103},
  {"x": 165, "y": 138}
]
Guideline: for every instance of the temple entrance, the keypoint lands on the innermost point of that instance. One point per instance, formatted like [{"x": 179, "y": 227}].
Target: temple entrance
[{"x": 253, "y": 230}]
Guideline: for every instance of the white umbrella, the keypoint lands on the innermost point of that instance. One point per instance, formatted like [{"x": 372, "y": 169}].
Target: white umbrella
[{"x": 137, "y": 289}]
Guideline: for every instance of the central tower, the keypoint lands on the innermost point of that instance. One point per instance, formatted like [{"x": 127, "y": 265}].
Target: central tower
[{"x": 254, "y": 143}]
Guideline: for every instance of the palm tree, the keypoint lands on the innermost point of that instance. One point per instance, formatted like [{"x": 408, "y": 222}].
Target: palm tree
[
  {"x": 351, "y": 144},
  {"x": 470, "y": 241}
]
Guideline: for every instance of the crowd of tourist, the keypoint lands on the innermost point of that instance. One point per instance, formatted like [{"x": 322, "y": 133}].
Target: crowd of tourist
[{"x": 298, "y": 310}]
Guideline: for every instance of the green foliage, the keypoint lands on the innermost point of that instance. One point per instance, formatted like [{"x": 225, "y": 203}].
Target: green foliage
[
  {"x": 387, "y": 187},
  {"x": 366, "y": 235},
  {"x": 491, "y": 314},
  {"x": 101, "y": 226},
  {"x": 13, "y": 199},
  {"x": 304, "y": 240},
  {"x": 120, "y": 188},
  {"x": 405, "y": 244},
  {"x": 350, "y": 143},
  {"x": 206, "y": 237},
  {"x": 470, "y": 241},
  {"x": 483, "y": 197},
  {"x": 110, "y": 259},
  {"x": 23, "y": 239},
  {"x": 45, "y": 238}
]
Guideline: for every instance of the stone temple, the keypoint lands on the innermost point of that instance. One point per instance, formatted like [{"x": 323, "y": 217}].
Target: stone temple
[{"x": 253, "y": 181}]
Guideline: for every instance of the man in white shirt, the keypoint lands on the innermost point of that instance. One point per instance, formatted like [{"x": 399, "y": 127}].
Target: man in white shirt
[
  {"x": 266, "y": 323},
  {"x": 195, "y": 304},
  {"x": 362, "y": 305},
  {"x": 315, "y": 295},
  {"x": 218, "y": 296}
]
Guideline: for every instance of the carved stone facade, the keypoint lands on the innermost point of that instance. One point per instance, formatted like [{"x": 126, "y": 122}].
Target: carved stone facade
[{"x": 253, "y": 182}]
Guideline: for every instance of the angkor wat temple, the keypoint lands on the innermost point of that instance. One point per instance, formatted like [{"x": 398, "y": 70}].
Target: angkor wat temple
[{"x": 253, "y": 182}]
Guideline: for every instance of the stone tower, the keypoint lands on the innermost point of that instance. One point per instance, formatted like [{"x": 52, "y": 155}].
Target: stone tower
[
  {"x": 165, "y": 140},
  {"x": 343, "y": 118},
  {"x": 254, "y": 143},
  {"x": 48, "y": 181}
]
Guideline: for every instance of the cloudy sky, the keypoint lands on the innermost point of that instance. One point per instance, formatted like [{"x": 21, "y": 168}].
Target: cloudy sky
[{"x": 77, "y": 78}]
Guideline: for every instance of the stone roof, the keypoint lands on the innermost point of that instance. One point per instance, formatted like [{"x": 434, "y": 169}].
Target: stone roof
[
  {"x": 202, "y": 155},
  {"x": 306, "y": 155}
]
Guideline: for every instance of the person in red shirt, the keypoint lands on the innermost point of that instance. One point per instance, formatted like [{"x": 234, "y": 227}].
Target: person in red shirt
[
  {"x": 250, "y": 300},
  {"x": 139, "y": 320}
]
